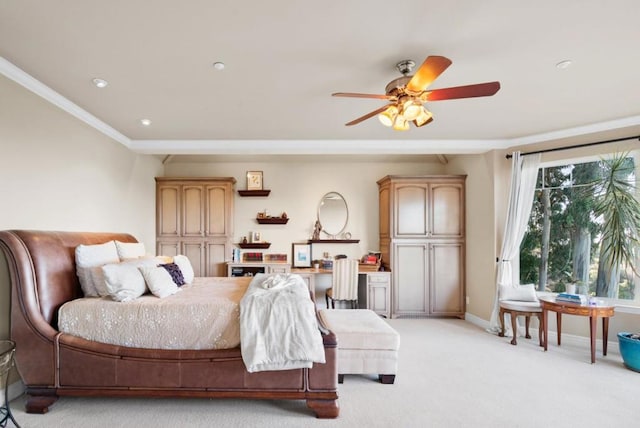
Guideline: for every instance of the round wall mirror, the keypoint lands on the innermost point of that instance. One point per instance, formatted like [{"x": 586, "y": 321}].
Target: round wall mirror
[{"x": 333, "y": 214}]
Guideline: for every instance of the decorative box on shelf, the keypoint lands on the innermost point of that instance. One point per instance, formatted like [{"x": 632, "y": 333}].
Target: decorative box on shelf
[
  {"x": 275, "y": 258},
  {"x": 368, "y": 267},
  {"x": 252, "y": 257},
  {"x": 254, "y": 245},
  {"x": 272, "y": 220}
]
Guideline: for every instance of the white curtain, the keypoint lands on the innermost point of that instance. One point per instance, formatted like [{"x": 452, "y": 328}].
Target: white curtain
[{"x": 524, "y": 172}]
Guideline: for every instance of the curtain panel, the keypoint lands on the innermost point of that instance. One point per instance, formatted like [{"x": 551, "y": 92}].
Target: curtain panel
[{"x": 524, "y": 172}]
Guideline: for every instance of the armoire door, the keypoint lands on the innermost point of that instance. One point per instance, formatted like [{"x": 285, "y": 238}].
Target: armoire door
[
  {"x": 411, "y": 217},
  {"x": 215, "y": 260},
  {"x": 410, "y": 276},
  {"x": 168, "y": 212},
  {"x": 447, "y": 213},
  {"x": 192, "y": 211},
  {"x": 195, "y": 253},
  {"x": 217, "y": 218},
  {"x": 446, "y": 269}
]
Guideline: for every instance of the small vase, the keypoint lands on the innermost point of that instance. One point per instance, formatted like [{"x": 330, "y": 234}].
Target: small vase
[{"x": 571, "y": 288}]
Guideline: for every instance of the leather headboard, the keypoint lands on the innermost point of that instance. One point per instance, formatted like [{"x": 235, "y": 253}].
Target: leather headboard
[{"x": 42, "y": 268}]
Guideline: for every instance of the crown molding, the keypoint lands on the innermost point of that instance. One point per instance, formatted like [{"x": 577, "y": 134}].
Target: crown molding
[
  {"x": 315, "y": 147},
  {"x": 34, "y": 85}
]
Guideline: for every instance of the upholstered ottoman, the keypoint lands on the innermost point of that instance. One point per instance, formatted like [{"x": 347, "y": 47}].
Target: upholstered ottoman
[{"x": 366, "y": 343}]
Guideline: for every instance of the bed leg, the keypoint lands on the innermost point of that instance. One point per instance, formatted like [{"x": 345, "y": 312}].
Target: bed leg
[
  {"x": 324, "y": 409},
  {"x": 39, "y": 400}
]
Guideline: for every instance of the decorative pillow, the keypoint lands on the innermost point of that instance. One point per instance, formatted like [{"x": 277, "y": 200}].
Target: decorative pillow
[
  {"x": 90, "y": 257},
  {"x": 159, "y": 281},
  {"x": 185, "y": 267},
  {"x": 130, "y": 250},
  {"x": 520, "y": 293},
  {"x": 175, "y": 272},
  {"x": 124, "y": 281}
]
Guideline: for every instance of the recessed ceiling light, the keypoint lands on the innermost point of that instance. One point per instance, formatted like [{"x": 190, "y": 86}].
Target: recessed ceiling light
[
  {"x": 564, "y": 64},
  {"x": 145, "y": 122},
  {"x": 100, "y": 83},
  {"x": 218, "y": 66}
]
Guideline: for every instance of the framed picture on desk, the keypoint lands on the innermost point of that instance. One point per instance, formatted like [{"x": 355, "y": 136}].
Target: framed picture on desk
[{"x": 301, "y": 255}]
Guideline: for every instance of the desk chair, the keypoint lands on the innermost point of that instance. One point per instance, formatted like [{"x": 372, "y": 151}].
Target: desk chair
[
  {"x": 345, "y": 283},
  {"x": 520, "y": 301}
]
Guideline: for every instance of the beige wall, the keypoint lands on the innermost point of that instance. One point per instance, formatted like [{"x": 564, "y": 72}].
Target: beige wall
[
  {"x": 482, "y": 247},
  {"x": 57, "y": 173}
]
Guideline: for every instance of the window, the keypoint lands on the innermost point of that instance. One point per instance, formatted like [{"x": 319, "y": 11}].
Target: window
[{"x": 564, "y": 241}]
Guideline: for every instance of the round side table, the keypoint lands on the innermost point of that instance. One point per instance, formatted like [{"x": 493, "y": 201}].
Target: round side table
[{"x": 7, "y": 349}]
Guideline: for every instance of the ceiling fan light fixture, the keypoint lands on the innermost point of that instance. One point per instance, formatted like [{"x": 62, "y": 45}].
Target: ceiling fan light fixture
[
  {"x": 400, "y": 124},
  {"x": 411, "y": 109},
  {"x": 423, "y": 117},
  {"x": 388, "y": 116}
]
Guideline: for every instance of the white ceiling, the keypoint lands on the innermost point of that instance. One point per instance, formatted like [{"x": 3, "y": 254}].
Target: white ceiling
[{"x": 284, "y": 58}]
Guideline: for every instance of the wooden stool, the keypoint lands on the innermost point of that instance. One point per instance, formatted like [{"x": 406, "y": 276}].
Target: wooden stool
[{"x": 526, "y": 309}]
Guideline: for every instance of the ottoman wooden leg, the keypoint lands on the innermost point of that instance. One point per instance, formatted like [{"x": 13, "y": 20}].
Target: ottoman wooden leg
[{"x": 387, "y": 378}]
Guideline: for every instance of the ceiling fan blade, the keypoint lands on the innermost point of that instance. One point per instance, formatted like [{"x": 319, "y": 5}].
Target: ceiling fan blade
[
  {"x": 426, "y": 123},
  {"x": 367, "y": 116},
  {"x": 468, "y": 91},
  {"x": 431, "y": 68},
  {"x": 355, "y": 95}
]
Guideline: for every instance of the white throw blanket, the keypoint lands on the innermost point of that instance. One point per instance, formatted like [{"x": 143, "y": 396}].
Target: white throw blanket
[{"x": 278, "y": 325}]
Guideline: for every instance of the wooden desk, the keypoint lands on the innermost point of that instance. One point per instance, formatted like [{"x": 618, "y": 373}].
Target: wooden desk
[
  {"x": 593, "y": 312},
  {"x": 374, "y": 287}
]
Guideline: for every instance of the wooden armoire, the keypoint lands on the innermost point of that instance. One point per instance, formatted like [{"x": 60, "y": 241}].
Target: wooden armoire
[
  {"x": 194, "y": 217},
  {"x": 422, "y": 240}
]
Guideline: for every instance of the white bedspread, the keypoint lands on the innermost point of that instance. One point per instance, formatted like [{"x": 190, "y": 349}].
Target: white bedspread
[
  {"x": 203, "y": 315},
  {"x": 278, "y": 325}
]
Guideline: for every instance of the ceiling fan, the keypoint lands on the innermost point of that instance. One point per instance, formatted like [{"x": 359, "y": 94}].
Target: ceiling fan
[{"x": 407, "y": 94}]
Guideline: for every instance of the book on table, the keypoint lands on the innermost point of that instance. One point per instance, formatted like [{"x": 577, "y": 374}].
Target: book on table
[{"x": 578, "y": 299}]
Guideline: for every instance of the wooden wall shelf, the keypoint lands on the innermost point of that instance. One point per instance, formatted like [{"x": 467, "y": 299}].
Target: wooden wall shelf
[
  {"x": 333, "y": 241},
  {"x": 254, "y": 192},
  {"x": 255, "y": 245},
  {"x": 272, "y": 220}
]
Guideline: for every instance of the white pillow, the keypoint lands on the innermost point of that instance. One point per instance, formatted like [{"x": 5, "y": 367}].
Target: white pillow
[
  {"x": 89, "y": 257},
  {"x": 159, "y": 281},
  {"x": 185, "y": 267},
  {"x": 519, "y": 293},
  {"x": 124, "y": 281},
  {"x": 130, "y": 250}
]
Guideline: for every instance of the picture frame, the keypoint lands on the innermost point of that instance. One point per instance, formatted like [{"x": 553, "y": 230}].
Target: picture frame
[
  {"x": 301, "y": 255},
  {"x": 254, "y": 180},
  {"x": 256, "y": 237}
]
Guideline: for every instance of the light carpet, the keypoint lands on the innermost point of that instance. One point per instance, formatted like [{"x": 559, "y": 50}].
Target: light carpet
[{"x": 451, "y": 374}]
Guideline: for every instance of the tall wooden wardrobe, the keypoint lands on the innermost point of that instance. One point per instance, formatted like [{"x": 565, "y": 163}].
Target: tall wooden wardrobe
[
  {"x": 194, "y": 217},
  {"x": 422, "y": 240}
]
